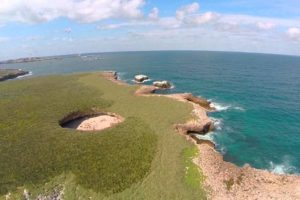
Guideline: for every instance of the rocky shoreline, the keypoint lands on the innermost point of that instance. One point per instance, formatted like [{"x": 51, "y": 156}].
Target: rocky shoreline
[
  {"x": 6, "y": 74},
  {"x": 223, "y": 180}
]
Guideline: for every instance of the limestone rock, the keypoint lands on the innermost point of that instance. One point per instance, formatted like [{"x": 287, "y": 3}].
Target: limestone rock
[
  {"x": 162, "y": 84},
  {"x": 140, "y": 78}
]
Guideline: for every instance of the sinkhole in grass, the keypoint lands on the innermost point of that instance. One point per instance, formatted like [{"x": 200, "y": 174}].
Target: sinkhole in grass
[{"x": 90, "y": 121}]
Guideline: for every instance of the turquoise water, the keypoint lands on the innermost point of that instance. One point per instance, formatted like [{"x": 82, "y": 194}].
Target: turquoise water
[{"x": 258, "y": 96}]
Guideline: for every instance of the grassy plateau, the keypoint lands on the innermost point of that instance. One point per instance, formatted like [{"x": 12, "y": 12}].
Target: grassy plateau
[{"x": 140, "y": 158}]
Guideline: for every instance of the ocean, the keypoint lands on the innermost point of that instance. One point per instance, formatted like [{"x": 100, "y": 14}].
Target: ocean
[{"x": 257, "y": 96}]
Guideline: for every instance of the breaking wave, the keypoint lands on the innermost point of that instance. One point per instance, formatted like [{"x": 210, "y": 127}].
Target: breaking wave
[
  {"x": 217, "y": 123},
  {"x": 209, "y": 136},
  {"x": 224, "y": 107},
  {"x": 282, "y": 168},
  {"x": 29, "y": 74}
]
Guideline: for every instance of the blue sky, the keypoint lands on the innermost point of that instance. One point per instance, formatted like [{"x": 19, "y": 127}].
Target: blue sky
[{"x": 41, "y": 27}]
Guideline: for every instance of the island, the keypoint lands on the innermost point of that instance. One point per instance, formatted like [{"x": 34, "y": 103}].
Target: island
[
  {"x": 6, "y": 74},
  {"x": 29, "y": 59},
  {"x": 93, "y": 136}
]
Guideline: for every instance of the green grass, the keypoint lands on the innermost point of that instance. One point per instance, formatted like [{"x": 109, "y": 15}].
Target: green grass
[
  {"x": 140, "y": 158},
  {"x": 4, "y": 72},
  {"x": 193, "y": 176}
]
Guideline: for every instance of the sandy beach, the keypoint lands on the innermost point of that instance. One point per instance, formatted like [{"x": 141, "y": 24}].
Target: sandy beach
[{"x": 224, "y": 180}]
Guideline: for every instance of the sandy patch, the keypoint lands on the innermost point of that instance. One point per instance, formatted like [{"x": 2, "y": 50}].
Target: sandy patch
[{"x": 94, "y": 123}]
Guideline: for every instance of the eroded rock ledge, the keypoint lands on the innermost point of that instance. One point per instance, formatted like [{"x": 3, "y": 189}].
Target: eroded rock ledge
[{"x": 6, "y": 74}]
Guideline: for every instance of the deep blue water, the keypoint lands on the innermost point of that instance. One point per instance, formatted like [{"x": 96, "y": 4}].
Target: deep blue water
[{"x": 258, "y": 96}]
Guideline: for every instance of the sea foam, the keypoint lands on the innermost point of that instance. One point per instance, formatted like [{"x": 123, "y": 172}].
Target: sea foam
[
  {"x": 224, "y": 107},
  {"x": 217, "y": 123},
  {"x": 282, "y": 168},
  {"x": 144, "y": 81},
  {"x": 209, "y": 136},
  {"x": 219, "y": 106},
  {"x": 121, "y": 75},
  {"x": 29, "y": 74}
]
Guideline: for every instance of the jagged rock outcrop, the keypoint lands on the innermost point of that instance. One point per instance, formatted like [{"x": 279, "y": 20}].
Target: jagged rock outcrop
[
  {"x": 145, "y": 90},
  {"x": 195, "y": 127},
  {"x": 201, "y": 141},
  {"x": 140, "y": 78},
  {"x": 6, "y": 74},
  {"x": 198, "y": 100},
  {"x": 162, "y": 84}
]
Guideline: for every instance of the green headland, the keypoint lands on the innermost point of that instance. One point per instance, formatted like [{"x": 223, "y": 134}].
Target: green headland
[{"x": 141, "y": 158}]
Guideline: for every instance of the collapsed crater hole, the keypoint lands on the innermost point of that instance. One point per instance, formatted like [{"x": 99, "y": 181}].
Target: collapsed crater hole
[{"x": 94, "y": 121}]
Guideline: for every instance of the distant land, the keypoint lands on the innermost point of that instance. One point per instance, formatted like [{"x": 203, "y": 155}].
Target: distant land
[{"x": 28, "y": 59}]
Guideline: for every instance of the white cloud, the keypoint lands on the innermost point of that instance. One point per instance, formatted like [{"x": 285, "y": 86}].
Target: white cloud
[
  {"x": 154, "y": 14},
  {"x": 204, "y": 18},
  {"x": 33, "y": 38},
  {"x": 169, "y": 23},
  {"x": 265, "y": 25},
  {"x": 198, "y": 30},
  {"x": 111, "y": 26},
  {"x": 293, "y": 33},
  {"x": 86, "y": 11},
  {"x": 227, "y": 27},
  {"x": 126, "y": 24},
  {"x": 4, "y": 39},
  {"x": 187, "y": 10},
  {"x": 254, "y": 20},
  {"x": 187, "y": 15}
]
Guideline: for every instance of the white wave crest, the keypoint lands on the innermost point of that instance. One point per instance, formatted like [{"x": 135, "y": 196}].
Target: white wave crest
[
  {"x": 283, "y": 168},
  {"x": 209, "y": 136},
  {"x": 239, "y": 108},
  {"x": 222, "y": 150},
  {"x": 29, "y": 74},
  {"x": 219, "y": 106},
  {"x": 217, "y": 123},
  {"x": 144, "y": 81},
  {"x": 223, "y": 107},
  {"x": 121, "y": 75}
]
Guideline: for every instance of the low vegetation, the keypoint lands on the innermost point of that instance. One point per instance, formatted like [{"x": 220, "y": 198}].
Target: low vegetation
[
  {"x": 140, "y": 158},
  {"x": 193, "y": 175}
]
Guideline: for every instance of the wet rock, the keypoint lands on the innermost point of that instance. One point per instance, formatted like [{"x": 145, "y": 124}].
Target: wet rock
[
  {"x": 146, "y": 90},
  {"x": 162, "y": 84},
  {"x": 6, "y": 74},
  {"x": 194, "y": 127},
  {"x": 201, "y": 141},
  {"x": 140, "y": 78}
]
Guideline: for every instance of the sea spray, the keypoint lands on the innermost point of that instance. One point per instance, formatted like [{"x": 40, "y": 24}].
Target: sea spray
[
  {"x": 23, "y": 76},
  {"x": 209, "y": 136},
  {"x": 285, "y": 167},
  {"x": 219, "y": 106},
  {"x": 225, "y": 107},
  {"x": 217, "y": 123}
]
